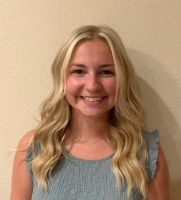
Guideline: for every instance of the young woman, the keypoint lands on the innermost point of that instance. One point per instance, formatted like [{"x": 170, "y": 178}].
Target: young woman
[{"x": 91, "y": 142}]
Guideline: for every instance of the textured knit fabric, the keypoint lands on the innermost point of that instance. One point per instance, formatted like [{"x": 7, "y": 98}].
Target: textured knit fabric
[{"x": 78, "y": 179}]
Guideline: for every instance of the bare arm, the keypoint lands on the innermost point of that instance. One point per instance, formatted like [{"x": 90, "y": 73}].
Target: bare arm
[
  {"x": 21, "y": 186},
  {"x": 159, "y": 187}
]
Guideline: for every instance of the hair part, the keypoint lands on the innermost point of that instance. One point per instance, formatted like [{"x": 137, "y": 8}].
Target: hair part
[{"x": 126, "y": 121}]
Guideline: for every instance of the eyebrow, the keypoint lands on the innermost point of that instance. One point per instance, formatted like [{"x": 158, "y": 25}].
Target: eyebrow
[{"x": 83, "y": 66}]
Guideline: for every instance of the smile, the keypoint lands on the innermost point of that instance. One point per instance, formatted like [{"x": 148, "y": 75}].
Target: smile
[{"x": 91, "y": 99}]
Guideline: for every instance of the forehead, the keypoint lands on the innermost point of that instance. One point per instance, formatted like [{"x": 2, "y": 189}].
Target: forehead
[{"x": 96, "y": 49}]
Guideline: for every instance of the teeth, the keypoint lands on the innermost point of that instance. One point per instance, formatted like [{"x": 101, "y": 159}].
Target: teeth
[{"x": 92, "y": 98}]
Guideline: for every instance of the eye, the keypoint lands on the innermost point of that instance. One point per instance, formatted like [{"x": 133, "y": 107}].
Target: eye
[
  {"x": 78, "y": 72},
  {"x": 107, "y": 72}
]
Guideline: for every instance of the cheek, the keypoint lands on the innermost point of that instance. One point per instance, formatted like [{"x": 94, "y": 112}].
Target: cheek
[
  {"x": 111, "y": 86},
  {"x": 72, "y": 87}
]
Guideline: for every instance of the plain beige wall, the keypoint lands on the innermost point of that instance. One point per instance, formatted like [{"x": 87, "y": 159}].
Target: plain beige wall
[{"x": 30, "y": 34}]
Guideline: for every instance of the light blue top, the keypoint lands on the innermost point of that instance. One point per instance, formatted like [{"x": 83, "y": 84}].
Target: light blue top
[{"x": 78, "y": 179}]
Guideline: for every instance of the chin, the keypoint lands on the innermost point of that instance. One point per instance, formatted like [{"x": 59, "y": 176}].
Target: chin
[{"x": 95, "y": 114}]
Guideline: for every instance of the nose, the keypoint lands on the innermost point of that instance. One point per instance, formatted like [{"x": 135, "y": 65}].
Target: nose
[{"x": 93, "y": 83}]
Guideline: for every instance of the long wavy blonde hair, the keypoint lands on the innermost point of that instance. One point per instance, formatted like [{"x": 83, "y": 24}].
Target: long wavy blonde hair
[{"x": 126, "y": 121}]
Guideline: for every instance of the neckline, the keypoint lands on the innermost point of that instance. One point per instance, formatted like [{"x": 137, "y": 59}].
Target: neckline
[{"x": 83, "y": 160}]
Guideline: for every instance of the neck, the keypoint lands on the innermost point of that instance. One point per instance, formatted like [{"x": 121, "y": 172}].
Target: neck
[{"x": 88, "y": 129}]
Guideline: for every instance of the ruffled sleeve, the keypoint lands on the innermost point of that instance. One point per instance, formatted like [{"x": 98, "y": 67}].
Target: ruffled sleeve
[
  {"x": 28, "y": 160},
  {"x": 29, "y": 156},
  {"x": 152, "y": 139}
]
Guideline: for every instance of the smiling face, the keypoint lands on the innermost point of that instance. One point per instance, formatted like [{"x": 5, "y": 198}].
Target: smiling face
[{"x": 91, "y": 81}]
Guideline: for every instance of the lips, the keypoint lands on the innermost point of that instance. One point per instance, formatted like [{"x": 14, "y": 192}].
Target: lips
[{"x": 92, "y": 98}]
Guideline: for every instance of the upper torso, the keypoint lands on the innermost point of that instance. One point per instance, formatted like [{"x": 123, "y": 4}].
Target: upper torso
[{"x": 79, "y": 179}]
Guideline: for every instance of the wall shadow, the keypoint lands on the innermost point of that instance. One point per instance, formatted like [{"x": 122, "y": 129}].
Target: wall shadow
[{"x": 157, "y": 112}]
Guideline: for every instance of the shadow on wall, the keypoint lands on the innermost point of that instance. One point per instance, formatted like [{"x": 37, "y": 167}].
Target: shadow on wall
[{"x": 157, "y": 112}]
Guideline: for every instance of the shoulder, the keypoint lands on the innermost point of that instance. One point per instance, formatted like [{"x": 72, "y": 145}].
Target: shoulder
[
  {"x": 26, "y": 140},
  {"x": 20, "y": 173},
  {"x": 159, "y": 187},
  {"x": 23, "y": 146}
]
